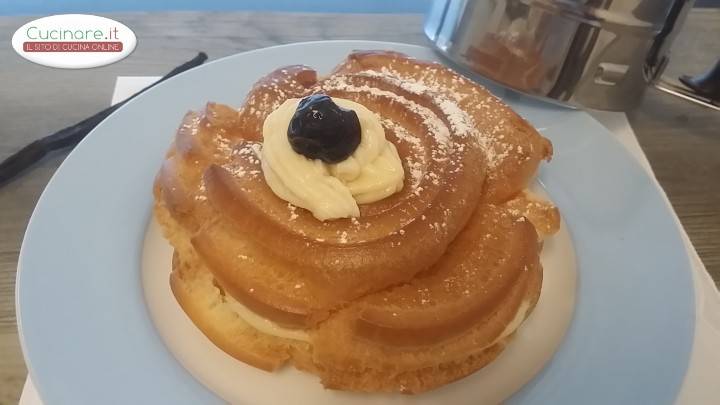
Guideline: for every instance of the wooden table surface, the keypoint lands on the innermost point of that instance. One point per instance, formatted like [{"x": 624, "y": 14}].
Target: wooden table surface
[{"x": 682, "y": 141}]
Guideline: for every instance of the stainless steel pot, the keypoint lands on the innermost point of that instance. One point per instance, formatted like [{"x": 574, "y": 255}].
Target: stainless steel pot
[{"x": 592, "y": 53}]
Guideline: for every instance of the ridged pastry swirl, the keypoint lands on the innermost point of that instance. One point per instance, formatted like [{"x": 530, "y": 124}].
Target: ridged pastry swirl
[{"x": 428, "y": 277}]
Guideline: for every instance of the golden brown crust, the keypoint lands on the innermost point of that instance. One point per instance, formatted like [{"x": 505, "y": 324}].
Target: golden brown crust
[
  {"x": 544, "y": 216},
  {"x": 485, "y": 268},
  {"x": 337, "y": 356},
  {"x": 203, "y": 305},
  {"x": 415, "y": 293},
  {"x": 407, "y": 382},
  {"x": 268, "y": 353},
  {"x": 513, "y": 141}
]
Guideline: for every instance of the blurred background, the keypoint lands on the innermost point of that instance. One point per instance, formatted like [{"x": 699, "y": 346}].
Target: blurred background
[
  {"x": 29, "y": 7},
  {"x": 20, "y": 7}
]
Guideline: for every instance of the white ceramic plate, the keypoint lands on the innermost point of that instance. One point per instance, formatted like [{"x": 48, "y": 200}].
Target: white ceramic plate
[
  {"x": 532, "y": 346},
  {"x": 89, "y": 338}
]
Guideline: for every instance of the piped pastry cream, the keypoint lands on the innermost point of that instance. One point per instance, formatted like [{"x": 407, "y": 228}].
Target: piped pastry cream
[{"x": 372, "y": 171}]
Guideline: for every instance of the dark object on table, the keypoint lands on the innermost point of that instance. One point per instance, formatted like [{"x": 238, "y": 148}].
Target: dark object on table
[
  {"x": 703, "y": 89},
  {"x": 73, "y": 134},
  {"x": 706, "y": 84}
]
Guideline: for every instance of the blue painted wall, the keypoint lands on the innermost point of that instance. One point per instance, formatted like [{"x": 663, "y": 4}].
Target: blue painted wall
[
  {"x": 18, "y": 7},
  {"x": 45, "y": 7}
]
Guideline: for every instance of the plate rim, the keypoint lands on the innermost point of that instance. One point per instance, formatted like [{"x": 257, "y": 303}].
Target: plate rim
[{"x": 77, "y": 150}]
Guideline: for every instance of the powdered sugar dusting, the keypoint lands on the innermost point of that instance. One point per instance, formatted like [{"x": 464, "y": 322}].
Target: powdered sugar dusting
[
  {"x": 449, "y": 101},
  {"x": 293, "y": 213},
  {"x": 413, "y": 162},
  {"x": 437, "y": 128},
  {"x": 235, "y": 170},
  {"x": 460, "y": 122},
  {"x": 223, "y": 144},
  {"x": 435, "y": 141}
]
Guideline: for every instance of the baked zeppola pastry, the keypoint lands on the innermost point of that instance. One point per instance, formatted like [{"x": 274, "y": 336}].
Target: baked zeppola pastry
[{"x": 371, "y": 227}]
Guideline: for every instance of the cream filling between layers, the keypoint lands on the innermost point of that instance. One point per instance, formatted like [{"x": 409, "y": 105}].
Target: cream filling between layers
[
  {"x": 269, "y": 327},
  {"x": 517, "y": 321},
  {"x": 265, "y": 325},
  {"x": 374, "y": 171}
]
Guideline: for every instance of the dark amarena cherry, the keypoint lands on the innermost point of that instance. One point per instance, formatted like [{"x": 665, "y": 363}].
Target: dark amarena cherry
[{"x": 320, "y": 129}]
